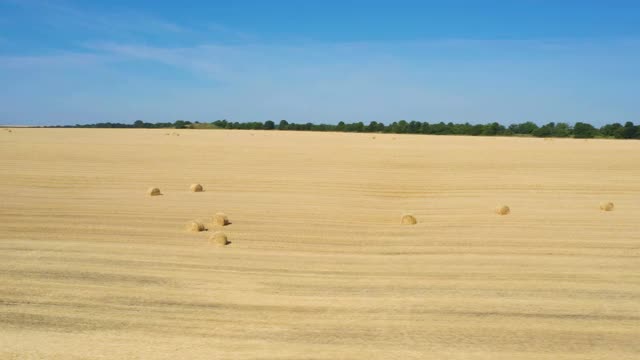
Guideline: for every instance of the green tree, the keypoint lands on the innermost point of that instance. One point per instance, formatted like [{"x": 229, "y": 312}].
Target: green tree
[
  {"x": 610, "y": 130},
  {"x": 629, "y": 131},
  {"x": 583, "y": 131},
  {"x": 220, "y": 123},
  {"x": 492, "y": 129},
  {"x": 545, "y": 130},
  {"x": 413, "y": 127},
  {"x": 526, "y": 128},
  {"x": 476, "y": 130},
  {"x": 562, "y": 130},
  {"x": 284, "y": 125},
  {"x": 181, "y": 124},
  {"x": 269, "y": 125},
  {"x": 403, "y": 126}
]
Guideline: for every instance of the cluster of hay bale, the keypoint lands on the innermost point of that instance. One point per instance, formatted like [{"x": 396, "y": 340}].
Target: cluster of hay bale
[
  {"x": 505, "y": 210},
  {"x": 500, "y": 210},
  {"x": 154, "y": 191},
  {"x": 218, "y": 238},
  {"x": 219, "y": 219}
]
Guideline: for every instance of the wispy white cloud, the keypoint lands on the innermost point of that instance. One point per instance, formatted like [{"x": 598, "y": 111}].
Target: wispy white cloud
[
  {"x": 227, "y": 60},
  {"x": 200, "y": 59},
  {"x": 68, "y": 60},
  {"x": 60, "y": 15},
  {"x": 124, "y": 24}
]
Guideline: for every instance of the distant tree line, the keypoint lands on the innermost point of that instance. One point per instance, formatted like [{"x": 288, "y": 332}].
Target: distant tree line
[
  {"x": 559, "y": 130},
  {"x": 179, "y": 124}
]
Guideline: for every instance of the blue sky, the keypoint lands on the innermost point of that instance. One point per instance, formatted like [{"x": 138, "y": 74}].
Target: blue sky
[{"x": 67, "y": 62}]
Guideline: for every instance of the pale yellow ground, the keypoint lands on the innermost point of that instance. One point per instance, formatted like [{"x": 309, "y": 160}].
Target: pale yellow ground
[{"x": 319, "y": 267}]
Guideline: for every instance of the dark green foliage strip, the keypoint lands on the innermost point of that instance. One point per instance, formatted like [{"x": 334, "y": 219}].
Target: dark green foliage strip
[{"x": 552, "y": 129}]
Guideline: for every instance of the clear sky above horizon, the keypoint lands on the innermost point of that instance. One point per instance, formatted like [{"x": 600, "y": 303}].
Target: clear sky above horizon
[{"x": 67, "y": 62}]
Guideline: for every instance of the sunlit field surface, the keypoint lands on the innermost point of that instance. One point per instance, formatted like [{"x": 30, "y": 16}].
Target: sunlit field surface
[{"x": 319, "y": 265}]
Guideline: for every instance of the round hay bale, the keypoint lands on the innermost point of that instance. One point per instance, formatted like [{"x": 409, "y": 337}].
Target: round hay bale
[
  {"x": 606, "y": 206},
  {"x": 197, "y": 188},
  {"x": 408, "y": 220},
  {"x": 503, "y": 210},
  {"x": 219, "y": 238},
  {"x": 220, "y": 219},
  {"x": 154, "y": 191},
  {"x": 195, "y": 226}
]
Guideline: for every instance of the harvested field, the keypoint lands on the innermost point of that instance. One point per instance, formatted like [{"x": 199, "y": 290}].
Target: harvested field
[{"x": 318, "y": 265}]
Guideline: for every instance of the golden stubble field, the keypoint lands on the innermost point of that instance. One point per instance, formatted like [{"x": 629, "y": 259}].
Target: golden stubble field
[{"x": 319, "y": 266}]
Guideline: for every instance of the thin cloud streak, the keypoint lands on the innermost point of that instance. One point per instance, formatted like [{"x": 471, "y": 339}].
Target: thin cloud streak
[
  {"x": 126, "y": 24},
  {"x": 66, "y": 60},
  {"x": 58, "y": 15},
  {"x": 220, "y": 59}
]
